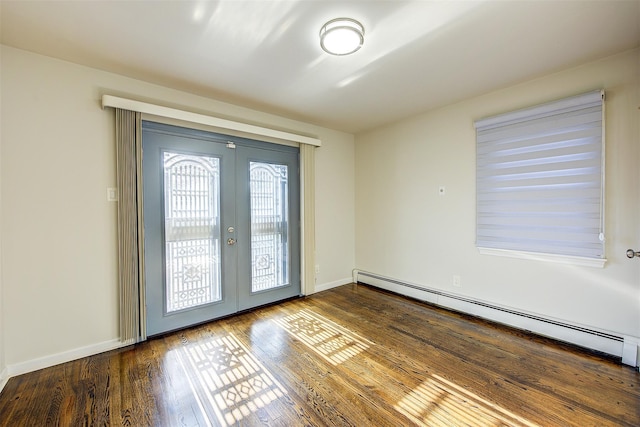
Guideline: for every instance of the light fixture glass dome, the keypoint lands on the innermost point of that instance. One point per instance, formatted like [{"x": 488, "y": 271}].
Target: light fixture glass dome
[{"x": 341, "y": 36}]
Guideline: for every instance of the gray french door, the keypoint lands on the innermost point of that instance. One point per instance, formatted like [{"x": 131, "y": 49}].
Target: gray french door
[{"x": 222, "y": 218}]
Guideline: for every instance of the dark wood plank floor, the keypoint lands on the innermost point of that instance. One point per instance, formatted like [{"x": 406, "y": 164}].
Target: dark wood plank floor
[{"x": 352, "y": 355}]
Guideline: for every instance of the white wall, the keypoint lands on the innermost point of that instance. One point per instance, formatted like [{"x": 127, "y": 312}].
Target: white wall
[
  {"x": 58, "y": 230},
  {"x": 406, "y": 231},
  {"x": 335, "y": 212},
  {"x": 3, "y": 371}
]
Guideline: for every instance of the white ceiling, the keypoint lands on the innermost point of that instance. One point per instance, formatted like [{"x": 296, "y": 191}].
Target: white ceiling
[{"x": 266, "y": 55}]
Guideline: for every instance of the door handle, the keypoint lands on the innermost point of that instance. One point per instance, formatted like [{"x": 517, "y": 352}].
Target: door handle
[
  {"x": 231, "y": 241},
  {"x": 632, "y": 254}
]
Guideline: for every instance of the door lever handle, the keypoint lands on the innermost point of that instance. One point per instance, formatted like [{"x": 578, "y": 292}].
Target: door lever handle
[{"x": 632, "y": 254}]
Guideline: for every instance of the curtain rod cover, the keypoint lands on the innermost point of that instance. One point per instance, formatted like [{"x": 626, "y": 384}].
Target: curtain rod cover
[
  {"x": 173, "y": 113},
  {"x": 543, "y": 110}
]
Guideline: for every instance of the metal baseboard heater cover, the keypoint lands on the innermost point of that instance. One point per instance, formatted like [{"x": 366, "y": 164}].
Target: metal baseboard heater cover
[{"x": 582, "y": 336}]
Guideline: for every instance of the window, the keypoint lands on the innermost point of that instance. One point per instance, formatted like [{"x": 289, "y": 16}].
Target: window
[{"x": 540, "y": 180}]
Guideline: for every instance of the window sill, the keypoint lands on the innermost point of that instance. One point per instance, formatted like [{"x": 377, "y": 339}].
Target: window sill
[{"x": 561, "y": 259}]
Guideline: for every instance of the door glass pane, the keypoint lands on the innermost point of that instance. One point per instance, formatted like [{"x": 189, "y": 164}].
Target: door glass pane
[
  {"x": 192, "y": 230},
  {"x": 269, "y": 190}
]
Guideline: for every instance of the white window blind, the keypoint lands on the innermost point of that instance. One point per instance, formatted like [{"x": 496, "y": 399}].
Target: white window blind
[{"x": 540, "y": 178}]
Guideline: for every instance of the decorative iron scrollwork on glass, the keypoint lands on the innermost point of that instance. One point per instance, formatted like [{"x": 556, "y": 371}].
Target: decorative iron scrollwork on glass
[
  {"x": 192, "y": 230},
  {"x": 269, "y": 225}
]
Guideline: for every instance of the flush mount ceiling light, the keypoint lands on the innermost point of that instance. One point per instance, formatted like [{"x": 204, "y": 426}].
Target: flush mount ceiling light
[{"x": 341, "y": 36}]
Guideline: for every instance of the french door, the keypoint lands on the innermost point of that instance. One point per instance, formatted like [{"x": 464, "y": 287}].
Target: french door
[{"x": 222, "y": 225}]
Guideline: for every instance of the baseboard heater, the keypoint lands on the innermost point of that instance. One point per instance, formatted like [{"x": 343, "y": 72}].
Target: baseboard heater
[{"x": 582, "y": 336}]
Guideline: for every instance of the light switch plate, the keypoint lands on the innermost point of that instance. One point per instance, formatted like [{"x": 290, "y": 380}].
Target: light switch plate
[{"x": 112, "y": 194}]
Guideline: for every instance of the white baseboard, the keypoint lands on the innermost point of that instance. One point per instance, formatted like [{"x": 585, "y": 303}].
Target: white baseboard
[
  {"x": 631, "y": 351},
  {"x": 4, "y": 377},
  {"x": 63, "y": 357},
  {"x": 616, "y": 344},
  {"x": 334, "y": 284}
]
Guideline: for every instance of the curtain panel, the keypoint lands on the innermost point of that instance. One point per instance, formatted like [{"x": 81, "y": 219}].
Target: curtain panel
[{"x": 130, "y": 227}]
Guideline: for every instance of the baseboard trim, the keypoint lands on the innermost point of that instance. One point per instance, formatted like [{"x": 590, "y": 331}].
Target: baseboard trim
[
  {"x": 334, "y": 284},
  {"x": 4, "y": 377},
  {"x": 631, "y": 351},
  {"x": 63, "y": 357},
  {"x": 625, "y": 347}
]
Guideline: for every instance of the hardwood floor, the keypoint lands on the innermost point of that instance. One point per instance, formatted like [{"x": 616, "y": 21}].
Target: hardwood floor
[{"x": 352, "y": 355}]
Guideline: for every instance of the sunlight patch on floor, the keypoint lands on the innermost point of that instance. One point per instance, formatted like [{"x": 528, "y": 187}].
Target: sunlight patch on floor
[
  {"x": 231, "y": 381},
  {"x": 332, "y": 342},
  {"x": 438, "y": 402}
]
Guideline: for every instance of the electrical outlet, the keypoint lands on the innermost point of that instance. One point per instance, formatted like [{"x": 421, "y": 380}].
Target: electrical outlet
[{"x": 456, "y": 281}]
